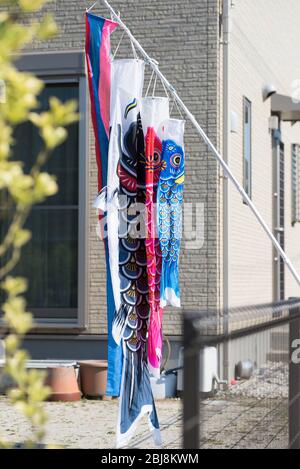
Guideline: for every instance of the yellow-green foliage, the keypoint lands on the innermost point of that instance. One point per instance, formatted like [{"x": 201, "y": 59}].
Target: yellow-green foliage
[{"x": 18, "y": 103}]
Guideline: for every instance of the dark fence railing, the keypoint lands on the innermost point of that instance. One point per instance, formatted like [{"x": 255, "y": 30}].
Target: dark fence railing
[{"x": 251, "y": 355}]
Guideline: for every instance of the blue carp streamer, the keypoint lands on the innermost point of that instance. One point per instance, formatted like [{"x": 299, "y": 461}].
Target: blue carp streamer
[{"x": 170, "y": 198}]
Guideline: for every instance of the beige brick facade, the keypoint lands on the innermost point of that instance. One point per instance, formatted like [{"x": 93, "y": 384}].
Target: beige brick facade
[{"x": 264, "y": 34}]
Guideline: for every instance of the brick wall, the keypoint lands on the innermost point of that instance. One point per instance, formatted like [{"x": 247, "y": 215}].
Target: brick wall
[{"x": 184, "y": 38}]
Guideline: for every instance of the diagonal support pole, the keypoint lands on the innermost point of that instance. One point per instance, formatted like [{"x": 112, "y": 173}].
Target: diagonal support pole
[{"x": 154, "y": 65}]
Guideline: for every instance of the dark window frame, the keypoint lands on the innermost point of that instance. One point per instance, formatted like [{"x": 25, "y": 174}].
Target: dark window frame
[
  {"x": 295, "y": 183},
  {"x": 247, "y": 184},
  {"x": 58, "y": 68}
]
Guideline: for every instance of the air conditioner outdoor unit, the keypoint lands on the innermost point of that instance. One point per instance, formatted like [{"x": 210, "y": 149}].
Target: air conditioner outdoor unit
[{"x": 208, "y": 370}]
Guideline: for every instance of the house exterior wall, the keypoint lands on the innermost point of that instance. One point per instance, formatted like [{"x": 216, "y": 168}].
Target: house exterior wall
[
  {"x": 263, "y": 38},
  {"x": 184, "y": 38},
  {"x": 290, "y": 136}
]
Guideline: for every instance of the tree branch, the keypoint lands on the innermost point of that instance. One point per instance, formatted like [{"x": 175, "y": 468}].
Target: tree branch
[{"x": 11, "y": 264}]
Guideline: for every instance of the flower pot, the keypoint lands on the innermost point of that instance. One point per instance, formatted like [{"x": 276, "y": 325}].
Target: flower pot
[
  {"x": 93, "y": 378},
  {"x": 63, "y": 383}
]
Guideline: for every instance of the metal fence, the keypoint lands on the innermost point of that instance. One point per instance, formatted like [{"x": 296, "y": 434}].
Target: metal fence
[{"x": 242, "y": 378}]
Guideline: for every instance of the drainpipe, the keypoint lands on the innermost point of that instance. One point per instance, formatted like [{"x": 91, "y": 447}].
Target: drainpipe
[{"x": 227, "y": 4}]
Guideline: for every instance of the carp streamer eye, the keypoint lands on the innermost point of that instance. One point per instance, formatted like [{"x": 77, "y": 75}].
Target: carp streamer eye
[
  {"x": 156, "y": 156},
  {"x": 175, "y": 160}
]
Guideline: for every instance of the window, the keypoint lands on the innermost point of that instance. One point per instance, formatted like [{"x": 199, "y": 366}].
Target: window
[
  {"x": 49, "y": 260},
  {"x": 295, "y": 184},
  {"x": 281, "y": 219},
  {"x": 247, "y": 150},
  {"x": 55, "y": 260}
]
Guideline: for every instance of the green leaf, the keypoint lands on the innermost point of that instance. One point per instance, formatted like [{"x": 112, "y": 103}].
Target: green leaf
[
  {"x": 29, "y": 6},
  {"x": 12, "y": 342},
  {"x": 47, "y": 28},
  {"x": 22, "y": 237},
  {"x": 14, "y": 285},
  {"x": 45, "y": 186},
  {"x": 53, "y": 137}
]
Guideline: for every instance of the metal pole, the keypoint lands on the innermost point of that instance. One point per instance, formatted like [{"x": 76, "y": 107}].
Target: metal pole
[
  {"x": 91, "y": 7},
  {"x": 294, "y": 381},
  {"x": 154, "y": 65},
  {"x": 226, "y": 153}
]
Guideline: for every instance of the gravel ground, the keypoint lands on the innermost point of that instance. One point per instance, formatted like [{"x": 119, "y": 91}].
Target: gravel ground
[
  {"x": 251, "y": 414},
  {"x": 244, "y": 423},
  {"x": 269, "y": 381},
  {"x": 90, "y": 424},
  {"x": 226, "y": 423}
]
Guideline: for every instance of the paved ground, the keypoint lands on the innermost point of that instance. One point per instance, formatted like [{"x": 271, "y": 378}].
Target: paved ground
[
  {"x": 227, "y": 422},
  {"x": 245, "y": 423},
  {"x": 90, "y": 424},
  {"x": 251, "y": 414}
]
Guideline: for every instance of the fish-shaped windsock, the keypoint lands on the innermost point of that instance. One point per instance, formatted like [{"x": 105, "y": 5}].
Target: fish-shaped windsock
[
  {"x": 154, "y": 111},
  {"x": 126, "y": 171},
  {"x": 116, "y": 91},
  {"x": 136, "y": 397},
  {"x": 169, "y": 203},
  {"x": 127, "y": 88}
]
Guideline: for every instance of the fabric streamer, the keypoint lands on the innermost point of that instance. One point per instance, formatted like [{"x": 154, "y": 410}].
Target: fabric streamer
[
  {"x": 131, "y": 320},
  {"x": 127, "y": 87},
  {"x": 154, "y": 111},
  {"x": 140, "y": 161},
  {"x": 170, "y": 198},
  {"x": 97, "y": 48}
]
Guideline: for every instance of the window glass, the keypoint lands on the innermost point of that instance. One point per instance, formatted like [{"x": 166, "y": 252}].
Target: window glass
[
  {"x": 247, "y": 147},
  {"x": 295, "y": 184},
  {"x": 50, "y": 260}
]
